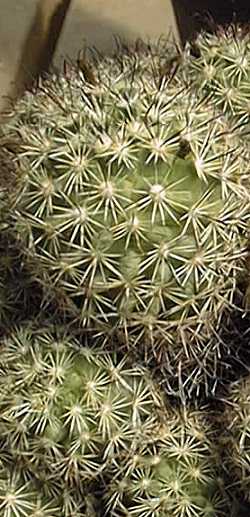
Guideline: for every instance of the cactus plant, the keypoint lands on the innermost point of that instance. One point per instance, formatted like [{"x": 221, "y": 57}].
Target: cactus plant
[
  {"x": 236, "y": 434},
  {"x": 67, "y": 411},
  {"x": 21, "y": 496},
  {"x": 73, "y": 418},
  {"x": 219, "y": 65},
  {"x": 176, "y": 474},
  {"x": 131, "y": 201}
]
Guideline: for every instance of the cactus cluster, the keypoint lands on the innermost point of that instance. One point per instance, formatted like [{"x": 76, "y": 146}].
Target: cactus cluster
[
  {"x": 71, "y": 415},
  {"x": 129, "y": 206}
]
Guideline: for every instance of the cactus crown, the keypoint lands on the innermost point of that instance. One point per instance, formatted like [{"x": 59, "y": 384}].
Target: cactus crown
[{"x": 132, "y": 201}]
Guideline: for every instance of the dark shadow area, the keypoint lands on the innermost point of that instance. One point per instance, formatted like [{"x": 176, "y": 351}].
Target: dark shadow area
[{"x": 194, "y": 15}]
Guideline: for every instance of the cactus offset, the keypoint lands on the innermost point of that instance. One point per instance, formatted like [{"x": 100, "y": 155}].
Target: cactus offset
[
  {"x": 67, "y": 411},
  {"x": 72, "y": 418}
]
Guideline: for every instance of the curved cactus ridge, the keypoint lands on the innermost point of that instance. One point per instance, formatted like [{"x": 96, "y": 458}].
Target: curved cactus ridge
[{"x": 132, "y": 201}]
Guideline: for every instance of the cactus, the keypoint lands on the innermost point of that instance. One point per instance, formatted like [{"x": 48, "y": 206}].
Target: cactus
[
  {"x": 72, "y": 419},
  {"x": 66, "y": 412},
  {"x": 236, "y": 438},
  {"x": 20, "y": 294},
  {"x": 176, "y": 474},
  {"x": 131, "y": 201},
  {"x": 21, "y": 496},
  {"x": 219, "y": 65}
]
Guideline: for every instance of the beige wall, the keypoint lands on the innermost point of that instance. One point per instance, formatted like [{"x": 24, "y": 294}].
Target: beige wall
[
  {"x": 15, "y": 18},
  {"x": 91, "y": 22},
  {"x": 95, "y": 22}
]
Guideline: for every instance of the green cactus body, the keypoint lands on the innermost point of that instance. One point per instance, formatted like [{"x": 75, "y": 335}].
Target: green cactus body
[
  {"x": 131, "y": 201},
  {"x": 175, "y": 475},
  {"x": 66, "y": 411}
]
